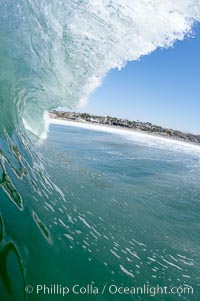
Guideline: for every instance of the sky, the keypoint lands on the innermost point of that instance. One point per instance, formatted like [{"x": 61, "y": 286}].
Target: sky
[{"x": 162, "y": 88}]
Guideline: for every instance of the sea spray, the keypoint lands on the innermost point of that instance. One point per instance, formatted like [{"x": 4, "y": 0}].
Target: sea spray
[{"x": 56, "y": 53}]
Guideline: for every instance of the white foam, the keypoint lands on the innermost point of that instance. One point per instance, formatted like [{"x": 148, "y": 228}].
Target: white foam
[
  {"x": 35, "y": 131},
  {"x": 133, "y": 135},
  {"x": 68, "y": 236},
  {"x": 76, "y": 43},
  {"x": 46, "y": 121},
  {"x": 126, "y": 271}
]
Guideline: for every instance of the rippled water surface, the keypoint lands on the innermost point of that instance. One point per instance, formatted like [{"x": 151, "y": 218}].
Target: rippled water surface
[
  {"x": 110, "y": 211},
  {"x": 89, "y": 206},
  {"x": 128, "y": 214}
]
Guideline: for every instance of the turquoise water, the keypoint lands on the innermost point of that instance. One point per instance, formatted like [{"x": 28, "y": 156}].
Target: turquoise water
[
  {"x": 87, "y": 207},
  {"x": 110, "y": 210}
]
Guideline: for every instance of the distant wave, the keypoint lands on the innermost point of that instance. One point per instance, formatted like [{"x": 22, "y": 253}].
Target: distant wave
[
  {"x": 55, "y": 53},
  {"x": 135, "y": 136}
]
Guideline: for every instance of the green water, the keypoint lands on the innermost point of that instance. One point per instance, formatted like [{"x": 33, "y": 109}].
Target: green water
[
  {"x": 87, "y": 207},
  {"x": 119, "y": 213}
]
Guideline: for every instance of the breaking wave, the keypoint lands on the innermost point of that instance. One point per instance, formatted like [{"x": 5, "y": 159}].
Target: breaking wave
[{"x": 55, "y": 53}]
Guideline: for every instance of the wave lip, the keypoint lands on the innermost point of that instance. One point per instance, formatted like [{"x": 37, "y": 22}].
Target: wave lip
[{"x": 62, "y": 53}]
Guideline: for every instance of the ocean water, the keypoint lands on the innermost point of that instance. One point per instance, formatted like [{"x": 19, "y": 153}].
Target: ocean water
[
  {"x": 131, "y": 211},
  {"x": 120, "y": 212},
  {"x": 89, "y": 207}
]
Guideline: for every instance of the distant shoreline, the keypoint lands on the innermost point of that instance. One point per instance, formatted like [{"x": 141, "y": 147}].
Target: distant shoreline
[{"x": 129, "y": 126}]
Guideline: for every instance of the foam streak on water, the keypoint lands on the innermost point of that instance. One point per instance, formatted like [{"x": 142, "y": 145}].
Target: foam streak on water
[{"x": 88, "y": 193}]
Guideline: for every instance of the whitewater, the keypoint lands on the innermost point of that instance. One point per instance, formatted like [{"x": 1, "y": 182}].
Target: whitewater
[
  {"x": 134, "y": 135},
  {"x": 70, "y": 205}
]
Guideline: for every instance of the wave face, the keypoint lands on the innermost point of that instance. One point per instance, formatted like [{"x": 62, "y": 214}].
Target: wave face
[{"x": 55, "y": 53}]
